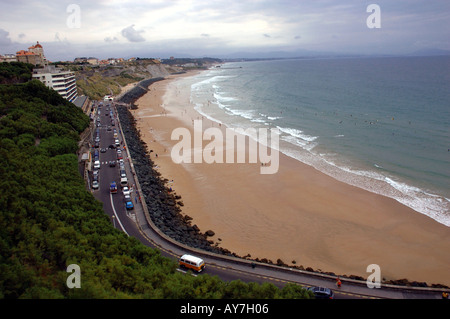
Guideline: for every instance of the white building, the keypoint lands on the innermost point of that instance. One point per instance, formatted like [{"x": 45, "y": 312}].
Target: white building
[
  {"x": 61, "y": 81},
  {"x": 92, "y": 61},
  {"x": 8, "y": 58}
]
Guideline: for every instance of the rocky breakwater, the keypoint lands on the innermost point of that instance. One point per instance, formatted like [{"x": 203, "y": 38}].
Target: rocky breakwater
[
  {"x": 139, "y": 90},
  {"x": 163, "y": 205}
]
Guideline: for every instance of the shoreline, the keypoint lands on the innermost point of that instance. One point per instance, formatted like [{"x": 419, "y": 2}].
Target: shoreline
[{"x": 319, "y": 221}]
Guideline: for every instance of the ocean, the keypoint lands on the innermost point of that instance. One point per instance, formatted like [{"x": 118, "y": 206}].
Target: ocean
[{"x": 381, "y": 124}]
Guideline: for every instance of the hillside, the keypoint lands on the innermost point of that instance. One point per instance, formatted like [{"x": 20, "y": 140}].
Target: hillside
[{"x": 98, "y": 81}]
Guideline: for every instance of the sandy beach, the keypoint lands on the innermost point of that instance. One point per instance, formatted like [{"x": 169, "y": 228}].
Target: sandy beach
[{"x": 298, "y": 215}]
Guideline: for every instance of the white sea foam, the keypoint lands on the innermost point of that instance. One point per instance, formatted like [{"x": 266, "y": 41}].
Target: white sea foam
[
  {"x": 198, "y": 108},
  {"x": 201, "y": 84},
  {"x": 299, "y": 142},
  {"x": 222, "y": 98},
  {"x": 432, "y": 205},
  {"x": 297, "y": 133}
]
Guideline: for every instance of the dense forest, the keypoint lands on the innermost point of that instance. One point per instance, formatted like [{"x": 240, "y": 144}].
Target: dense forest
[
  {"x": 15, "y": 72},
  {"x": 49, "y": 220}
]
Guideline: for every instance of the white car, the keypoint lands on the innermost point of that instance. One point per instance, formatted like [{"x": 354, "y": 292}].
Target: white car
[
  {"x": 126, "y": 191},
  {"x": 97, "y": 165},
  {"x": 117, "y": 142},
  {"x": 95, "y": 185}
]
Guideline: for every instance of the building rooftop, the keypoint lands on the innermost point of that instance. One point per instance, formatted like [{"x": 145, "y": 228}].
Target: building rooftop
[
  {"x": 80, "y": 100},
  {"x": 37, "y": 45}
]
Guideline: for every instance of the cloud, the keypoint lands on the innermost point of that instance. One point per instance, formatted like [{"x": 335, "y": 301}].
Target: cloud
[
  {"x": 213, "y": 27},
  {"x": 133, "y": 35},
  {"x": 57, "y": 38},
  {"x": 110, "y": 40},
  {"x": 4, "y": 37}
]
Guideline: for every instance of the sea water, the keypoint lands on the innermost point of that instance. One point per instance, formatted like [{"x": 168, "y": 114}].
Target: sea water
[{"x": 382, "y": 124}]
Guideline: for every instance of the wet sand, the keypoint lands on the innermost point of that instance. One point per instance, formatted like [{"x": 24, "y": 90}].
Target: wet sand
[{"x": 298, "y": 215}]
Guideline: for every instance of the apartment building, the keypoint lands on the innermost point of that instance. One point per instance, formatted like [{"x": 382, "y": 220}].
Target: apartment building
[{"x": 61, "y": 81}]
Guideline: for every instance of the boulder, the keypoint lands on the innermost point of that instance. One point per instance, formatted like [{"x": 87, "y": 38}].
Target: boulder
[{"x": 210, "y": 233}]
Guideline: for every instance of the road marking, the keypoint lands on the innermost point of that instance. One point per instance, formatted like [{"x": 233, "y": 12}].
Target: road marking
[
  {"x": 115, "y": 214},
  {"x": 185, "y": 272}
]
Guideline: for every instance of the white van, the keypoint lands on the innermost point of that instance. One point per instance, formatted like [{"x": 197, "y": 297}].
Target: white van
[
  {"x": 123, "y": 181},
  {"x": 192, "y": 262}
]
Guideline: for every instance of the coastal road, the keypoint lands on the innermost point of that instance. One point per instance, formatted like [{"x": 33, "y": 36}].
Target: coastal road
[
  {"x": 134, "y": 223},
  {"x": 113, "y": 204}
]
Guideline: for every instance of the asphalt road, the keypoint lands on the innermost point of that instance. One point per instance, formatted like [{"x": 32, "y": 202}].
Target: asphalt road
[{"x": 133, "y": 223}]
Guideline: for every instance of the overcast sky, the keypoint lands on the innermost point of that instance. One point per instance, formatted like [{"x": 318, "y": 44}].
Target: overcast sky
[{"x": 160, "y": 28}]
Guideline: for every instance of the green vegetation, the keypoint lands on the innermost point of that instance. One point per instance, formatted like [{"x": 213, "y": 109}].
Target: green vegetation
[
  {"x": 15, "y": 72},
  {"x": 98, "y": 81},
  {"x": 48, "y": 220},
  {"x": 97, "y": 86}
]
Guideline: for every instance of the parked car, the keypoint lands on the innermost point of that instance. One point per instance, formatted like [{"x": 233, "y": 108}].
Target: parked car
[
  {"x": 95, "y": 184},
  {"x": 117, "y": 142},
  {"x": 322, "y": 293},
  {"x": 128, "y": 202},
  {"x": 97, "y": 165},
  {"x": 126, "y": 190}
]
